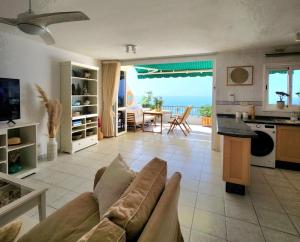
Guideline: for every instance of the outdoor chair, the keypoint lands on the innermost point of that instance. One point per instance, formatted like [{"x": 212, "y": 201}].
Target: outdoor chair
[{"x": 181, "y": 122}]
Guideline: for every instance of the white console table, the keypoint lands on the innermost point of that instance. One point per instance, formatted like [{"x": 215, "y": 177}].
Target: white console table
[{"x": 28, "y": 148}]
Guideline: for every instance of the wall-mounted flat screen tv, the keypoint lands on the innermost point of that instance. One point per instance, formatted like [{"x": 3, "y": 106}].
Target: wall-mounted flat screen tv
[{"x": 9, "y": 99}]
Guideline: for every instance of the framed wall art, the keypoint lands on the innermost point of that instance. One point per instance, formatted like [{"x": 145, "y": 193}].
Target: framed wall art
[{"x": 239, "y": 75}]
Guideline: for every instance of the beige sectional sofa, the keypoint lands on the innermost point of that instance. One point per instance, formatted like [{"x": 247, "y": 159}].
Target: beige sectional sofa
[{"x": 73, "y": 221}]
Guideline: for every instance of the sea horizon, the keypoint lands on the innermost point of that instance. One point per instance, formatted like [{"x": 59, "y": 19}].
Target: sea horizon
[{"x": 195, "y": 101}]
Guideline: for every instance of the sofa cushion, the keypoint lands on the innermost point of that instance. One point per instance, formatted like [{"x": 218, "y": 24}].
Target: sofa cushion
[
  {"x": 105, "y": 231},
  {"x": 9, "y": 232},
  {"x": 135, "y": 206},
  {"x": 67, "y": 224},
  {"x": 112, "y": 184}
]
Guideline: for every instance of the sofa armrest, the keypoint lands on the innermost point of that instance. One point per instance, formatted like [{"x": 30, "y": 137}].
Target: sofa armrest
[{"x": 98, "y": 175}]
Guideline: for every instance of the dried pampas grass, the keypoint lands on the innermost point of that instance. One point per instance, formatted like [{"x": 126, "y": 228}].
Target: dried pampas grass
[{"x": 54, "y": 110}]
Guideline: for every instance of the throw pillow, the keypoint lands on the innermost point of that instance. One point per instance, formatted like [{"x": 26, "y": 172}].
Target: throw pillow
[
  {"x": 114, "y": 181},
  {"x": 135, "y": 206},
  {"x": 9, "y": 232},
  {"x": 105, "y": 231}
]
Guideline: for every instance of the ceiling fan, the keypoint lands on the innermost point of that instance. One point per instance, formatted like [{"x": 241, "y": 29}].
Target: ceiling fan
[{"x": 36, "y": 24}]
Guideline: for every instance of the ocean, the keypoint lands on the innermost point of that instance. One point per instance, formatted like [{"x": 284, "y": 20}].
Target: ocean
[{"x": 182, "y": 100}]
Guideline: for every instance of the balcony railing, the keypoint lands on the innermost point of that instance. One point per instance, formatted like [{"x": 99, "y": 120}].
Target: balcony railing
[{"x": 178, "y": 110}]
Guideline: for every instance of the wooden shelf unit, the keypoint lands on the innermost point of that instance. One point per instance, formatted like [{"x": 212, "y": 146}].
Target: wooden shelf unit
[
  {"x": 27, "y": 149},
  {"x": 69, "y": 128}
]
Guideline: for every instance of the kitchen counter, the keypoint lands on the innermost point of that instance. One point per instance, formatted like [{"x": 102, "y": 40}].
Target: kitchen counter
[
  {"x": 233, "y": 127},
  {"x": 265, "y": 120}
]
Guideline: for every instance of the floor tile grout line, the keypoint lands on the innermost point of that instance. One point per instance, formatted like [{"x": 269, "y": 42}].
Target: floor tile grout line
[
  {"x": 286, "y": 213},
  {"x": 259, "y": 224}
]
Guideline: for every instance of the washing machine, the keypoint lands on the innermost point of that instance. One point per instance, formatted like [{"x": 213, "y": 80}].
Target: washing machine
[{"x": 263, "y": 146}]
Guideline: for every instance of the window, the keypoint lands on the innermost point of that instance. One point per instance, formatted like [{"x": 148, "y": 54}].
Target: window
[{"x": 283, "y": 79}]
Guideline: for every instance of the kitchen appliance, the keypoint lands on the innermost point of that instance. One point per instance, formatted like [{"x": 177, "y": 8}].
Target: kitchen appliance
[{"x": 263, "y": 146}]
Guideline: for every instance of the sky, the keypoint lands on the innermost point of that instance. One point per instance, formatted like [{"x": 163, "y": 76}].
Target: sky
[{"x": 180, "y": 86}]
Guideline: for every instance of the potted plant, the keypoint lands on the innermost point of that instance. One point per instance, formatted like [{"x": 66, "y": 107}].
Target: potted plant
[
  {"x": 281, "y": 103},
  {"x": 158, "y": 102},
  {"x": 206, "y": 115},
  {"x": 54, "y": 110},
  {"x": 147, "y": 100}
]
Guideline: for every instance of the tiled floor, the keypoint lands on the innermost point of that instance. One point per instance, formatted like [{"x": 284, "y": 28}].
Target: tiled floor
[{"x": 270, "y": 211}]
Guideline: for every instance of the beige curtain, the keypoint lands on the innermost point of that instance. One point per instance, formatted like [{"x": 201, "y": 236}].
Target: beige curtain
[{"x": 110, "y": 86}]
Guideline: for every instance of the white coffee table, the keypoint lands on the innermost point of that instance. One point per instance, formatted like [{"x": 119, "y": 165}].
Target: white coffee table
[{"x": 18, "y": 196}]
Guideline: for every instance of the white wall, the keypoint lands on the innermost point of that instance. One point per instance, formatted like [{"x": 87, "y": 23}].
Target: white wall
[
  {"x": 245, "y": 93},
  {"x": 34, "y": 62}
]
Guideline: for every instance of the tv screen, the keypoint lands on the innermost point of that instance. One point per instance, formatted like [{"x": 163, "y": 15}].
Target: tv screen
[{"x": 9, "y": 99}]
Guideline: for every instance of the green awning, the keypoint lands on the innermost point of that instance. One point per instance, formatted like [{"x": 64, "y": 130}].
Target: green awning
[
  {"x": 277, "y": 71},
  {"x": 181, "y": 69}
]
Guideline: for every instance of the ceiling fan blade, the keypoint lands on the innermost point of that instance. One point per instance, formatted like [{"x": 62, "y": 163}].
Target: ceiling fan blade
[
  {"x": 9, "y": 21},
  {"x": 47, "y": 37},
  {"x": 55, "y": 18}
]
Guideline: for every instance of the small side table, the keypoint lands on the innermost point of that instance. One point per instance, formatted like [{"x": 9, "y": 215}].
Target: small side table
[
  {"x": 18, "y": 197},
  {"x": 156, "y": 114}
]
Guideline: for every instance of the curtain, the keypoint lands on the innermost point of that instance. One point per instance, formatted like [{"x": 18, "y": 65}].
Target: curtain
[{"x": 110, "y": 86}]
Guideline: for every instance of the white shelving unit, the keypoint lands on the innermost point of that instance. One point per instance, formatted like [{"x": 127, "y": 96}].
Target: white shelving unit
[
  {"x": 27, "y": 149},
  {"x": 79, "y": 127}
]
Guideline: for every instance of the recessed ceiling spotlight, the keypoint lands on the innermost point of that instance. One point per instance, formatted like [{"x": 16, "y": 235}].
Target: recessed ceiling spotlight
[
  {"x": 298, "y": 37},
  {"x": 131, "y": 48}
]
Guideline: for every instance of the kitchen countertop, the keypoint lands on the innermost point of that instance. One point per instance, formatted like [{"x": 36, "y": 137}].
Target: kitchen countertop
[
  {"x": 233, "y": 127},
  {"x": 266, "y": 120}
]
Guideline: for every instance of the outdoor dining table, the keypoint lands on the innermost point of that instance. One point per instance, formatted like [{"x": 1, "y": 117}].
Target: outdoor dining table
[{"x": 156, "y": 114}]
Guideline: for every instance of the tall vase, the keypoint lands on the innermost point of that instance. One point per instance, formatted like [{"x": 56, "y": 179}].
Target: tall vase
[{"x": 51, "y": 149}]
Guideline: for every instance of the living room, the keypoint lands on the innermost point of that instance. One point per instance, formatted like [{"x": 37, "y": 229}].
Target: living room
[{"x": 195, "y": 196}]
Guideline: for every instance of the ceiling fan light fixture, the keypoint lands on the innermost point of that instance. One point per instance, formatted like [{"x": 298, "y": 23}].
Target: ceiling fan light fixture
[
  {"x": 298, "y": 37},
  {"x": 131, "y": 48},
  {"x": 29, "y": 28}
]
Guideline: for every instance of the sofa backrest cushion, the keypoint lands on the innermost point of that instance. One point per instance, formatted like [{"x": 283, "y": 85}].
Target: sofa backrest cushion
[
  {"x": 163, "y": 224},
  {"x": 105, "y": 231},
  {"x": 135, "y": 206},
  {"x": 114, "y": 181}
]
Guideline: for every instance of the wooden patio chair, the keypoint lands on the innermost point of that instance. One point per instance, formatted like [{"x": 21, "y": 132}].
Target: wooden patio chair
[{"x": 181, "y": 121}]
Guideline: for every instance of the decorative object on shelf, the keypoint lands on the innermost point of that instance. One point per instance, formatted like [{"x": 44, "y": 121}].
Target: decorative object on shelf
[
  {"x": 54, "y": 110},
  {"x": 84, "y": 90},
  {"x": 240, "y": 75},
  {"x": 77, "y": 103},
  {"x": 89, "y": 133},
  {"x": 73, "y": 89},
  {"x": 78, "y": 89},
  {"x": 281, "y": 103},
  {"x": 14, "y": 141},
  {"x": 87, "y": 74},
  {"x": 75, "y": 114},
  {"x": 76, "y": 123},
  {"x": 87, "y": 102},
  {"x": 14, "y": 165},
  {"x": 76, "y": 136}
]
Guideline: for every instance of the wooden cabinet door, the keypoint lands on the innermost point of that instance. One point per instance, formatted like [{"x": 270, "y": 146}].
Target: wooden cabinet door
[
  {"x": 236, "y": 160},
  {"x": 288, "y": 143}
]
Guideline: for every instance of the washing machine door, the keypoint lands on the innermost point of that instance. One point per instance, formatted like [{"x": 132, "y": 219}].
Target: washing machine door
[{"x": 262, "y": 144}]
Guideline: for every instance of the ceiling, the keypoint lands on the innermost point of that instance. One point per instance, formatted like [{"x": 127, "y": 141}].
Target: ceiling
[{"x": 167, "y": 27}]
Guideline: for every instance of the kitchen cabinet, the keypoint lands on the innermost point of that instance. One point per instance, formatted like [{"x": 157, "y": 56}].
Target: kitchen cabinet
[
  {"x": 288, "y": 143},
  {"x": 236, "y": 160}
]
